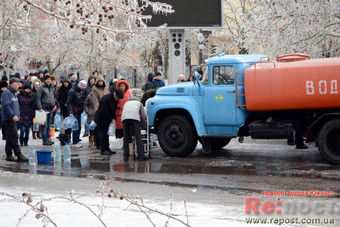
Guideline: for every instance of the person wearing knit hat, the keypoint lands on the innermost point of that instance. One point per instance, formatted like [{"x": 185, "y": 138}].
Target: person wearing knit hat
[
  {"x": 74, "y": 78},
  {"x": 33, "y": 78},
  {"x": 82, "y": 84},
  {"x": 46, "y": 100},
  {"x": 35, "y": 84},
  {"x": 47, "y": 77},
  {"x": 17, "y": 75},
  {"x": 75, "y": 107},
  {"x": 27, "y": 112},
  {"x": 91, "y": 80}
]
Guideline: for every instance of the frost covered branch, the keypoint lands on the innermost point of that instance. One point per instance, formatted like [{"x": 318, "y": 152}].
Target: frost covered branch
[{"x": 40, "y": 208}]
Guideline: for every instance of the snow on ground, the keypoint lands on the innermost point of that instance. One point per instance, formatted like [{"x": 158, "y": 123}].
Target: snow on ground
[{"x": 116, "y": 212}]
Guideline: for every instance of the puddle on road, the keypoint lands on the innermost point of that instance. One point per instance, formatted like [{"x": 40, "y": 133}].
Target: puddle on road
[{"x": 107, "y": 169}]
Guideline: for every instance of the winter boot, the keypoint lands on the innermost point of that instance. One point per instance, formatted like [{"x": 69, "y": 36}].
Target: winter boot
[
  {"x": 21, "y": 142},
  {"x": 26, "y": 141},
  {"x": 38, "y": 134},
  {"x": 96, "y": 143},
  {"x": 91, "y": 140},
  {"x": 33, "y": 133}
]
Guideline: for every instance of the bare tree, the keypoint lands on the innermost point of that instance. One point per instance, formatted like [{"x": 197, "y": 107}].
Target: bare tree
[
  {"x": 75, "y": 33},
  {"x": 280, "y": 27}
]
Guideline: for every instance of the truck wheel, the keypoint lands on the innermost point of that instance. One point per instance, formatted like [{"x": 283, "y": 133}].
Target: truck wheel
[
  {"x": 218, "y": 143},
  {"x": 177, "y": 136},
  {"x": 329, "y": 141},
  {"x": 212, "y": 144}
]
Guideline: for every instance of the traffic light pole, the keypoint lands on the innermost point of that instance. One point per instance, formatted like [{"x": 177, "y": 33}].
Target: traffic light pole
[{"x": 176, "y": 55}]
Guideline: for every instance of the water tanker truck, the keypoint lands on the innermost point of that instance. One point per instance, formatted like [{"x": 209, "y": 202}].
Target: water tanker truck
[{"x": 250, "y": 95}]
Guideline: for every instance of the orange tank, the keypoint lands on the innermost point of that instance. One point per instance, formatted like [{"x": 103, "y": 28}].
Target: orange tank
[{"x": 293, "y": 83}]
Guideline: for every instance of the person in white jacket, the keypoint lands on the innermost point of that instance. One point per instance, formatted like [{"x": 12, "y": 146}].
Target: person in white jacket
[{"x": 132, "y": 116}]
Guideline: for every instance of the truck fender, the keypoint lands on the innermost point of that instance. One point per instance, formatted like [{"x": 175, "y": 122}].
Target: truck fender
[
  {"x": 313, "y": 129},
  {"x": 188, "y": 105}
]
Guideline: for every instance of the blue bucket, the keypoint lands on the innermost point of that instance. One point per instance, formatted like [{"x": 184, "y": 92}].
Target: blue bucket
[{"x": 44, "y": 156}]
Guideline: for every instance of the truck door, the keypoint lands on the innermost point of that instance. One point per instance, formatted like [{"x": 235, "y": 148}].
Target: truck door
[{"x": 219, "y": 100}]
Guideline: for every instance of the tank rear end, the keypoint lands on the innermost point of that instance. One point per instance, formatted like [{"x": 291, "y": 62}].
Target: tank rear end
[{"x": 293, "y": 85}]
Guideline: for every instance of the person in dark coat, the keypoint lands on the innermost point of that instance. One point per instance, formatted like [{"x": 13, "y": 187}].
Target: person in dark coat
[
  {"x": 36, "y": 83},
  {"x": 27, "y": 112},
  {"x": 41, "y": 75},
  {"x": 106, "y": 114},
  {"x": 157, "y": 81},
  {"x": 90, "y": 83},
  {"x": 62, "y": 93},
  {"x": 148, "y": 94},
  {"x": 89, "y": 110},
  {"x": 149, "y": 82},
  {"x": 75, "y": 107},
  {"x": 45, "y": 100},
  {"x": 10, "y": 116},
  {"x": 113, "y": 84},
  {"x": 3, "y": 86}
]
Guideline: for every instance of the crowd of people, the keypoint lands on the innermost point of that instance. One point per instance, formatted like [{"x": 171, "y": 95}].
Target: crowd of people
[{"x": 69, "y": 96}]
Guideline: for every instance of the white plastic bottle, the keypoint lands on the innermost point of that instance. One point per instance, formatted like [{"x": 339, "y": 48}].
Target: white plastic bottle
[
  {"x": 67, "y": 153},
  {"x": 56, "y": 153},
  {"x": 32, "y": 156}
]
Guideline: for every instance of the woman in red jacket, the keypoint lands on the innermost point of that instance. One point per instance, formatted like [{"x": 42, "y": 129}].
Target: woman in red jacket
[{"x": 125, "y": 87}]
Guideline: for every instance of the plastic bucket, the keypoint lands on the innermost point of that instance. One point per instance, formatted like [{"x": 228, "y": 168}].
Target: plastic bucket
[{"x": 44, "y": 156}]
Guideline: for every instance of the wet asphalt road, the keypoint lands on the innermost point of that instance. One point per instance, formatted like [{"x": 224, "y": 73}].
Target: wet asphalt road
[
  {"x": 236, "y": 171},
  {"x": 256, "y": 162}
]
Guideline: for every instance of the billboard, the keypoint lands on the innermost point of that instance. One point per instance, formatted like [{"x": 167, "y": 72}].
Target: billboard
[{"x": 188, "y": 14}]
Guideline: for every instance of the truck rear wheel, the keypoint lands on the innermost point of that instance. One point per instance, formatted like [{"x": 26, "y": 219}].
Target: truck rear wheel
[
  {"x": 211, "y": 144},
  {"x": 329, "y": 141},
  {"x": 218, "y": 143},
  {"x": 177, "y": 136}
]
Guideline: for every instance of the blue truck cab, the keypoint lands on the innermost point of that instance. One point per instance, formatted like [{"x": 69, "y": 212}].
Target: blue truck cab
[{"x": 211, "y": 109}]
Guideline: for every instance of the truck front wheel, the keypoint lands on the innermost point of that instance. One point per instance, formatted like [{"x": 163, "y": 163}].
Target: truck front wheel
[
  {"x": 177, "y": 136},
  {"x": 329, "y": 141}
]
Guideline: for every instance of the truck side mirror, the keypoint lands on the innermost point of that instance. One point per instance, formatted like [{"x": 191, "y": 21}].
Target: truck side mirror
[{"x": 196, "y": 76}]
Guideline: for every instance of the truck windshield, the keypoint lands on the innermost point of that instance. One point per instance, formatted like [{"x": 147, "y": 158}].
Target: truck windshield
[{"x": 205, "y": 79}]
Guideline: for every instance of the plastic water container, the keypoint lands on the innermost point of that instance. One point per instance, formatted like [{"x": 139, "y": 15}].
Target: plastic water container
[
  {"x": 92, "y": 125},
  {"x": 67, "y": 153},
  {"x": 36, "y": 127},
  {"x": 57, "y": 120},
  {"x": 32, "y": 156},
  {"x": 112, "y": 129},
  {"x": 69, "y": 122},
  {"x": 56, "y": 153},
  {"x": 75, "y": 125}
]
